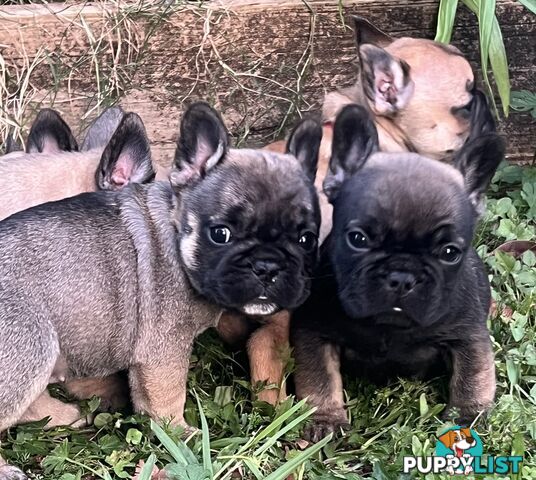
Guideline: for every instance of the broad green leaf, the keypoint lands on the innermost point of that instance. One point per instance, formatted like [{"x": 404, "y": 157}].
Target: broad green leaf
[
  {"x": 133, "y": 436},
  {"x": 512, "y": 371},
  {"x": 416, "y": 446},
  {"x": 103, "y": 419},
  {"x": 423, "y": 405},
  {"x": 523, "y": 101},
  {"x": 445, "y": 20},
  {"x": 529, "y": 258},
  {"x": 503, "y": 206}
]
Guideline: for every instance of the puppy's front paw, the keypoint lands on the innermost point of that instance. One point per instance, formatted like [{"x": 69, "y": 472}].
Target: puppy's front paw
[
  {"x": 8, "y": 472},
  {"x": 323, "y": 424},
  {"x": 462, "y": 416}
]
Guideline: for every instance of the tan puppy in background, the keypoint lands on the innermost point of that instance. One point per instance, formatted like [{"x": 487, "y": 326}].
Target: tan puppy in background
[
  {"x": 113, "y": 154},
  {"x": 52, "y": 168},
  {"x": 420, "y": 94}
]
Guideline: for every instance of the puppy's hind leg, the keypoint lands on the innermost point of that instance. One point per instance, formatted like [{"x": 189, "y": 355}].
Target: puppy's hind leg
[
  {"x": 112, "y": 390},
  {"x": 60, "y": 413},
  {"x": 158, "y": 387},
  {"x": 29, "y": 349}
]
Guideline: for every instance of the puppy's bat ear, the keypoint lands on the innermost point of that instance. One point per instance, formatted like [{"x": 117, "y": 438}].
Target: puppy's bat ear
[
  {"x": 103, "y": 127},
  {"x": 127, "y": 156},
  {"x": 386, "y": 80},
  {"x": 482, "y": 121},
  {"x": 365, "y": 32},
  {"x": 50, "y": 134},
  {"x": 304, "y": 144},
  {"x": 202, "y": 144},
  {"x": 477, "y": 161},
  {"x": 355, "y": 138}
]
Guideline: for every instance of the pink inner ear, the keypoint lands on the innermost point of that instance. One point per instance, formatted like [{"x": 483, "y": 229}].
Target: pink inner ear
[
  {"x": 122, "y": 171},
  {"x": 50, "y": 145},
  {"x": 386, "y": 87}
]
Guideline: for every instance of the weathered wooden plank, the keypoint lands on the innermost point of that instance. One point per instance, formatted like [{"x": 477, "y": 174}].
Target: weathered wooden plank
[{"x": 260, "y": 62}]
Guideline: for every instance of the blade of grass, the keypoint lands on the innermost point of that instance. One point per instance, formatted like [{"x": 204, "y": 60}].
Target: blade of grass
[
  {"x": 147, "y": 470},
  {"x": 274, "y": 426},
  {"x": 280, "y": 433},
  {"x": 498, "y": 59},
  {"x": 485, "y": 14},
  {"x": 529, "y": 4},
  {"x": 267, "y": 431},
  {"x": 285, "y": 470},
  {"x": 205, "y": 440},
  {"x": 445, "y": 20},
  {"x": 180, "y": 455},
  {"x": 253, "y": 469}
]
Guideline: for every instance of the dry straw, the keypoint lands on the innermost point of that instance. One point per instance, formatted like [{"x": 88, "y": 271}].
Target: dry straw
[{"x": 107, "y": 44}]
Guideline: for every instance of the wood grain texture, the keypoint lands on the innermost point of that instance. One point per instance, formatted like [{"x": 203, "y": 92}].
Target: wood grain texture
[{"x": 259, "y": 62}]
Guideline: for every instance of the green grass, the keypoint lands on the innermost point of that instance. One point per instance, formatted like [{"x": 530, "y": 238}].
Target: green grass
[{"x": 251, "y": 440}]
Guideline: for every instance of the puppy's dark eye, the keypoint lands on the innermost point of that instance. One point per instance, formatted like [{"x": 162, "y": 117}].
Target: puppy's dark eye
[
  {"x": 220, "y": 234},
  {"x": 450, "y": 254},
  {"x": 358, "y": 240},
  {"x": 307, "y": 241}
]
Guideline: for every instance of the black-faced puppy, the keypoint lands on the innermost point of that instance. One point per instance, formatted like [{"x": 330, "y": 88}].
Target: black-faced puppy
[
  {"x": 400, "y": 290},
  {"x": 126, "y": 280}
]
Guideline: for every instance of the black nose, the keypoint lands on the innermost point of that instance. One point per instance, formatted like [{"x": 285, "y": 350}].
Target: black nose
[
  {"x": 265, "y": 269},
  {"x": 401, "y": 282}
]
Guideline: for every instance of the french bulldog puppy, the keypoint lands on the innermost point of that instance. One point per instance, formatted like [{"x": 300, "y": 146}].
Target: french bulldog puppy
[
  {"x": 125, "y": 280},
  {"x": 418, "y": 92},
  {"x": 52, "y": 168},
  {"x": 399, "y": 291}
]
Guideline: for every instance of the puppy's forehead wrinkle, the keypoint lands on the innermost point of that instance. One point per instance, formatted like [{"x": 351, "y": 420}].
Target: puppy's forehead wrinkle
[
  {"x": 414, "y": 192},
  {"x": 273, "y": 178},
  {"x": 412, "y": 165},
  {"x": 257, "y": 193}
]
